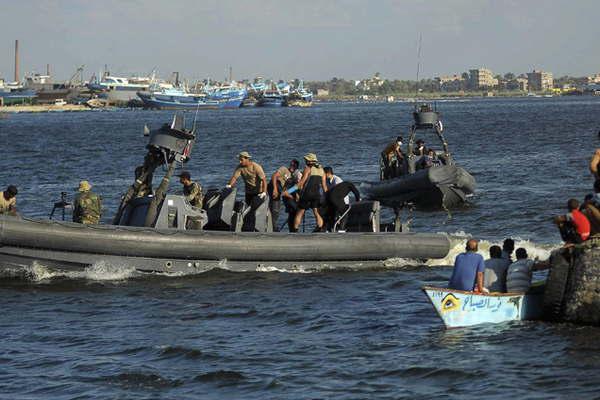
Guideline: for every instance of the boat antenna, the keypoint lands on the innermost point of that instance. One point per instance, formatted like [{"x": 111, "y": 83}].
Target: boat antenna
[
  {"x": 195, "y": 118},
  {"x": 418, "y": 64}
]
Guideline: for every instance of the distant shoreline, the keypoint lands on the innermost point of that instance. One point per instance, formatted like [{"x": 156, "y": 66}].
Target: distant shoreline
[{"x": 410, "y": 97}]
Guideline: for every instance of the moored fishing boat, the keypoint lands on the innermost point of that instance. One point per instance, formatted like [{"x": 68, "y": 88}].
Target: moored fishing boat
[
  {"x": 275, "y": 95},
  {"x": 176, "y": 98},
  {"x": 300, "y": 97},
  {"x": 119, "y": 89},
  {"x": 16, "y": 95},
  {"x": 459, "y": 309}
]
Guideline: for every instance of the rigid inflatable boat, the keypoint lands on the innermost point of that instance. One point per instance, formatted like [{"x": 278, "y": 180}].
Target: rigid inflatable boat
[
  {"x": 164, "y": 233},
  {"x": 70, "y": 246},
  {"x": 443, "y": 185}
]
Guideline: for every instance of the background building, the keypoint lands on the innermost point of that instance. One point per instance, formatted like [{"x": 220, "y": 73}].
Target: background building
[
  {"x": 481, "y": 78},
  {"x": 540, "y": 80},
  {"x": 450, "y": 83}
]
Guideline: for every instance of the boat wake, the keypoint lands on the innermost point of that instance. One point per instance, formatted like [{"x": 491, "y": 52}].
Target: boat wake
[
  {"x": 100, "y": 271},
  {"x": 458, "y": 240}
]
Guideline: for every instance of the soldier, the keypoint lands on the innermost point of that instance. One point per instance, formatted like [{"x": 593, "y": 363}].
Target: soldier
[
  {"x": 145, "y": 187},
  {"x": 281, "y": 180},
  {"x": 87, "y": 206},
  {"x": 254, "y": 178},
  {"x": 191, "y": 190},
  {"x": 8, "y": 201}
]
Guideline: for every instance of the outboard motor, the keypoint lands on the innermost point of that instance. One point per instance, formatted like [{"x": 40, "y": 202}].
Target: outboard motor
[
  {"x": 219, "y": 205},
  {"x": 177, "y": 213},
  {"x": 135, "y": 212},
  {"x": 363, "y": 216},
  {"x": 167, "y": 146},
  {"x": 252, "y": 218}
]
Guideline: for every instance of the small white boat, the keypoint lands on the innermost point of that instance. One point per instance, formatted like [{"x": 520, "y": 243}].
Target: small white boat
[{"x": 459, "y": 309}]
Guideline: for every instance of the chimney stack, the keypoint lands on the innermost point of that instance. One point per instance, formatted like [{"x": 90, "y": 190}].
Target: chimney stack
[
  {"x": 16, "y": 61},
  {"x": 48, "y": 69}
]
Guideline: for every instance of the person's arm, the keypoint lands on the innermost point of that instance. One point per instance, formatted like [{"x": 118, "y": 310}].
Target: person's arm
[
  {"x": 594, "y": 163},
  {"x": 324, "y": 183},
  {"x": 236, "y": 175},
  {"x": 305, "y": 175},
  {"x": 354, "y": 190},
  {"x": 541, "y": 265},
  {"x": 594, "y": 211},
  {"x": 274, "y": 179},
  {"x": 12, "y": 208},
  {"x": 479, "y": 286},
  {"x": 480, "y": 272},
  {"x": 263, "y": 180}
]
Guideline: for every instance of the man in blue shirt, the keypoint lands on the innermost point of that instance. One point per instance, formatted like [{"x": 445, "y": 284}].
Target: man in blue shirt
[{"x": 468, "y": 270}]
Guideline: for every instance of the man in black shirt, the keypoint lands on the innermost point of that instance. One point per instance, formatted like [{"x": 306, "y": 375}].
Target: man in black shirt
[{"x": 336, "y": 206}]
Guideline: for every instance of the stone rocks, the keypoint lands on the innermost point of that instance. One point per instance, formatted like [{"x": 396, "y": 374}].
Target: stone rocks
[{"x": 573, "y": 288}]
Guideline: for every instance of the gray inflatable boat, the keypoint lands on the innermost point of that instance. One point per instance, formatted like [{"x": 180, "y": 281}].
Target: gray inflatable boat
[
  {"x": 164, "y": 233},
  {"x": 69, "y": 246},
  {"x": 444, "y": 186},
  {"x": 417, "y": 179}
]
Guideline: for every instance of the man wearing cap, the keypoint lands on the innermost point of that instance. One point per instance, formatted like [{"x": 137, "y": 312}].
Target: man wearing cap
[
  {"x": 392, "y": 160},
  {"x": 191, "y": 190},
  {"x": 281, "y": 180},
  {"x": 312, "y": 186},
  {"x": 254, "y": 178},
  {"x": 420, "y": 149},
  {"x": 8, "y": 201},
  {"x": 87, "y": 206}
]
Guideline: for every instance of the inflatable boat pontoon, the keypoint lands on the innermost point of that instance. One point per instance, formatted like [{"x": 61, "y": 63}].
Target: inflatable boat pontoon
[{"x": 164, "y": 233}]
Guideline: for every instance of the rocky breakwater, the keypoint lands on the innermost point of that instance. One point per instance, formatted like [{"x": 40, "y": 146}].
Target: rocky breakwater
[{"x": 573, "y": 288}]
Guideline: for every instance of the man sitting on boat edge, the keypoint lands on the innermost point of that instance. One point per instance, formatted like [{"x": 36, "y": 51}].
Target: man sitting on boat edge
[{"x": 468, "y": 270}]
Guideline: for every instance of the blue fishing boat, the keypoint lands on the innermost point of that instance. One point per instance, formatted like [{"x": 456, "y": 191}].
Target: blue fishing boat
[
  {"x": 176, "y": 98},
  {"x": 225, "y": 92},
  {"x": 300, "y": 97},
  {"x": 270, "y": 100},
  {"x": 274, "y": 96},
  {"x": 459, "y": 309}
]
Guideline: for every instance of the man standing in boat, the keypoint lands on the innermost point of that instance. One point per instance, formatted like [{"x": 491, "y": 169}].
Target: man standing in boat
[
  {"x": 392, "y": 160},
  {"x": 254, "y": 178},
  {"x": 281, "y": 180},
  {"x": 87, "y": 206},
  {"x": 191, "y": 190}
]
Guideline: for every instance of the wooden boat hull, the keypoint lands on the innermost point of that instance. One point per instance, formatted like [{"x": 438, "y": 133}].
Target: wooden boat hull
[{"x": 459, "y": 309}]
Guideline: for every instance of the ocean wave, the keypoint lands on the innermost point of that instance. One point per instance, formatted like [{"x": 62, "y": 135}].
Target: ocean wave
[
  {"x": 458, "y": 241},
  {"x": 141, "y": 380},
  {"x": 221, "y": 376}
]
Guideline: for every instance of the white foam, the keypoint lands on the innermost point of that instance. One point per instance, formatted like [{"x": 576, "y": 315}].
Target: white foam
[
  {"x": 99, "y": 271},
  {"x": 459, "y": 239}
]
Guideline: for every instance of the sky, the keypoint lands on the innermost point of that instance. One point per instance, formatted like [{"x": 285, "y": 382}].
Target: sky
[{"x": 307, "y": 39}]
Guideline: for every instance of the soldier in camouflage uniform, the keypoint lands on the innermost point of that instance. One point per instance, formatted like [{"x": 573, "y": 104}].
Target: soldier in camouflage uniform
[
  {"x": 87, "y": 206},
  {"x": 191, "y": 190}
]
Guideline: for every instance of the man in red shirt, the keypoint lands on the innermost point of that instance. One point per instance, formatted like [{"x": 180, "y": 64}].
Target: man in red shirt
[{"x": 574, "y": 227}]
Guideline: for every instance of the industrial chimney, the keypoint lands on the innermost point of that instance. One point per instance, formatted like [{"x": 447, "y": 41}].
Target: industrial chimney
[{"x": 16, "y": 61}]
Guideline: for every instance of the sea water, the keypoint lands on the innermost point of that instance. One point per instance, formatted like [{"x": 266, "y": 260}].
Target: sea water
[{"x": 110, "y": 332}]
